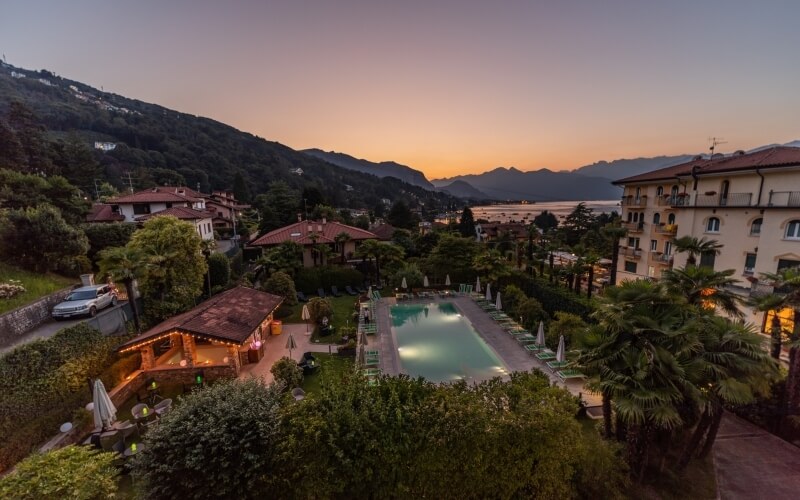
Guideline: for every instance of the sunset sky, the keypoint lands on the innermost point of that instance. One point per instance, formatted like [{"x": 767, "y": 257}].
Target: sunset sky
[{"x": 448, "y": 87}]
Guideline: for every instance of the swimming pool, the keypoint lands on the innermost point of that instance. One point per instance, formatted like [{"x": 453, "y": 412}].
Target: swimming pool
[{"x": 436, "y": 342}]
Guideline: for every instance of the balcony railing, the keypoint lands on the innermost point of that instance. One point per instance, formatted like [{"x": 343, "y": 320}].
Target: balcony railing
[
  {"x": 784, "y": 199},
  {"x": 716, "y": 200},
  {"x": 633, "y": 253},
  {"x": 633, "y": 227},
  {"x": 665, "y": 228},
  {"x": 662, "y": 258},
  {"x": 632, "y": 201},
  {"x": 760, "y": 289}
]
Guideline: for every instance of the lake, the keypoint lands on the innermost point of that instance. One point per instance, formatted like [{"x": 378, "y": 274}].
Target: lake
[{"x": 527, "y": 211}]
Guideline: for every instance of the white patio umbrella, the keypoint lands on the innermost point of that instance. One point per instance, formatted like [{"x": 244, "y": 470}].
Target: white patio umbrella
[
  {"x": 498, "y": 304},
  {"x": 291, "y": 344},
  {"x": 540, "y": 334},
  {"x": 104, "y": 410},
  {"x": 369, "y": 293},
  {"x": 404, "y": 284},
  {"x": 425, "y": 281},
  {"x": 363, "y": 338},
  {"x": 478, "y": 285},
  {"x": 447, "y": 280},
  {"x": 362, "y": 355},
  {"x": 306, "y": 315},
  {"x": 560, "y": 355},
  {"x": 489, "y": 292}
]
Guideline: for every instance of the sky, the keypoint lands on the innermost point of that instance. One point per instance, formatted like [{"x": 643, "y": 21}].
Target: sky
[{"x": 446, "y": 86}]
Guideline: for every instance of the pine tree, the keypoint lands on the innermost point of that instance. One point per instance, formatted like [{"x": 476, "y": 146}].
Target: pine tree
[{"x": 467, "y": 224}]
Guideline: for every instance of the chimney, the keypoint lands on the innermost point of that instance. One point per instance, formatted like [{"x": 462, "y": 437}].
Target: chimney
[
  {"x": 324, "y": 220},
  {"x": 319, "y": 227},
  {"x": 310, "y": 228},
  {"x": 299, "y": 217}
]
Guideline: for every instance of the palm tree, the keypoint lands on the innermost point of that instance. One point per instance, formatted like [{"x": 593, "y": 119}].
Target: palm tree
[
  {"x": 341, "y": 239},
  {"x": 705, "y": 288},
  {"x": 325, "y": 252},
  {"x": 532, "y": 231},
  {"x": 124, "y": 264},
  {"x": 381, "y": 252},
  {"x": 694, "y": 247},
  {"x": 589, "y": 261},
  {"x": 614, "y": 233},
  {"x": 730, "y": 368}
]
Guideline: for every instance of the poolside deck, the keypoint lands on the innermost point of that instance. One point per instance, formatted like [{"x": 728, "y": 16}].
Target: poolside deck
[{"x": 513, "y": 355}]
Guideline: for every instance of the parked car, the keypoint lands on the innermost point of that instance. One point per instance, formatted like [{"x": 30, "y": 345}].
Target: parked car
[{"x": 85, "y": 301}]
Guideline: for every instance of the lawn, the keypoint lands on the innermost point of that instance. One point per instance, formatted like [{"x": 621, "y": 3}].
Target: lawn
[
  {"x": 36, "y": 286},
  {"x": 343, "y": 308},
  {"x": 331, "y": 365}
]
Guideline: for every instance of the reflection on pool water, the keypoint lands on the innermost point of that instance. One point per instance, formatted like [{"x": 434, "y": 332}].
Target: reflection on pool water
[{"x": 436, "y": 342}]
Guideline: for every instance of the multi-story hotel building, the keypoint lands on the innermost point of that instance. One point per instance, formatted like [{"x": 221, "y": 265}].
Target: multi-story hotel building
[{"x": 748, "y": 202}]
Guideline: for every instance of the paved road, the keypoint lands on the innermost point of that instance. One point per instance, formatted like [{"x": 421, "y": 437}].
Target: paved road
[
  {"x": 48, "y": 329},
  {"x": 753, "y": 464}
]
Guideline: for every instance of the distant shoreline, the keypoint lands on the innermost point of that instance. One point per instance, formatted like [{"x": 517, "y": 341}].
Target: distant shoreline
[{"x": 525, "y": 212}]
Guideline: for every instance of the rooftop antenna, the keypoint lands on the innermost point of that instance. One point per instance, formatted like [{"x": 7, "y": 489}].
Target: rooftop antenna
[{"x": 715, "y": 141}]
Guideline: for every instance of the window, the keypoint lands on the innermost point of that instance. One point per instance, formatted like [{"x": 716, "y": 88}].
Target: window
[
  {"x": 671, "y": 219},
  {"x": 755, "y": 227},
  {"x": 793, "y": 230},
  {"x": 674, "y": 191},
  {"x": 653, "y": 245},
  {"x": 707, "y": 260},
  {"x": 141, "y": 208},
  {"x": 630, "y": 267},
  {"x": 630, "y": 216},
  {"x": 633, "y": 242},
  {"x": 651, "y": 271},
  {"x": 636, "y": 217},
  {"x": 749, "y": 263},
  {"x": 169, "y": 204},
  {"x": 667, "y": 248},
  {"x": 657, "y": 218},
  {"x": 712, "y": 226},
  {"x": 659, "y": 190}
]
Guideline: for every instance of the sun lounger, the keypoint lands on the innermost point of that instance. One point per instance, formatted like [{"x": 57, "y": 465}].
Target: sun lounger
[
  {"x": 301, "y": 297},
  {"x": 321, "y": 292},
  {"x": 370, "y": 372},
  {"x": 568, "y": 374},
  {"x": 372, "y": 352},
  {"x": 546, "y": 355},
  {"x": 556, "y": 365},
  {"x": 350, "y": 291},
  {"x": 525, "y": 338},
  {"x": 361, "y": 289},
  {"x": 533, "y": 348},
  {"x": 335, "y": 291}
]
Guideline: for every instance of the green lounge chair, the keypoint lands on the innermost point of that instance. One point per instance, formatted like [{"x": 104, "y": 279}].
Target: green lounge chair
[
  {"x": 372, "y": 352},
  {"x": 568, "y": 374},
  {"x": 371, "y": 372},
  {"x": 546, "y": 355},
  {"x": 556, "y": 365},
  {"x": 525, "y": 338},
  {"x": 533, "y": 348}
]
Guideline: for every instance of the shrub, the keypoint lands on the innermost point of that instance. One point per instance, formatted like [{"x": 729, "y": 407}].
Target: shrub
[
  {"x": 412, "y": 274},
  {"x": 532, "y": 313},
  {"x": 568, "y": 325},
  {"x": 310, "y": 278},
  {"x": 320, "y": 308},
  {"x": 553, "y": 298},
  {"x": 219, "y": 270},
  {"x": 220, "y": 442},
  {"x": 122, "y": 368},
  {"x": 71, "y": 472},
  {"x": 11, "y": 288},
  {"x": 280, "y": 283},
  {"x": 512, "y": 297},
  {"x": 287, "y": 373}
]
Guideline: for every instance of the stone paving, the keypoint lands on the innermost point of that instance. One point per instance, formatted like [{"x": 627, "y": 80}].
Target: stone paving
[
  {"x": 753, "y": 464},
  {"x": 275, "y": 349}
]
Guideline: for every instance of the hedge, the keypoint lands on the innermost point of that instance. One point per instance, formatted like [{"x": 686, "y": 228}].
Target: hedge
[
  {"x": 552, "y": 297},
  {"x": 42, "y": 384},
  {"x": 309, "y": 279}
]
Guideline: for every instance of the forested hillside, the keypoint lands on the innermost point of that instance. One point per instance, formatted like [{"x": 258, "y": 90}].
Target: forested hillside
[{"x": 49, "y": 124}]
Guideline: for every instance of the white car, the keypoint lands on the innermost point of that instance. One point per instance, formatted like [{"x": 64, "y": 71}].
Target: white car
[{"x": 85, "y": 301}]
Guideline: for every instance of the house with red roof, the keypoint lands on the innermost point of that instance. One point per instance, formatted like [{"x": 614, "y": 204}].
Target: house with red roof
[{"x": 313, "y": 234}]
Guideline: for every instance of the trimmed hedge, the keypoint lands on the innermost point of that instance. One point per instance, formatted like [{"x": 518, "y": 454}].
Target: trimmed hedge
[
  {"x": 310, "y": 278},
  {"x": 42, "y": 384},
  {"x": 553, "y": 298}
]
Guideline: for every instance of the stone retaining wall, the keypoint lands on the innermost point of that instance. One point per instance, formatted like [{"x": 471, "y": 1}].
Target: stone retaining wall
[
  {"x": 14, "y": 324},
  {"x": 139, "y": 378}
]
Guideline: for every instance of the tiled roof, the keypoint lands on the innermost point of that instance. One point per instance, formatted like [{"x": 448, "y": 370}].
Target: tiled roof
[
  {"x": 302, "y": 232},
  {"x": 182, "y": 213},
  {"x": 100, "y": 212},
  {"x": 775, "y": 157},
  {"x": 161, "y": 194},
  {"x": 230, "y": 316}
]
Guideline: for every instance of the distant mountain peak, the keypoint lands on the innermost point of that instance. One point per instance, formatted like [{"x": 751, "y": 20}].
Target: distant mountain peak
[{"x": 382, "y": 169}]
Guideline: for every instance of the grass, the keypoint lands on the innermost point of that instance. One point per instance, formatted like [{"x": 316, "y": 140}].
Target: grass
[
  {"x": 331, "y": 365},
  {"x": 36, "y": 285},
  {"x": 343, "y": 308}
]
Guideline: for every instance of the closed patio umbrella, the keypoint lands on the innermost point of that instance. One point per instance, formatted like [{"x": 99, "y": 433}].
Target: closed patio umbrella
[
  {"x": 489, "y": 292},
  {"x": 478, "y": 285},
  {"x": 291, "y": 344},
  {"x": 363, "y": 338},
  {"x": 540, "y": 334},
  {"x": 498, "y": 304},
  {"x": 447, "y": 280},
  {"x": 104, "y": 410},
  {"x": 425, "y": 282},
  {"x": 560, "y": 355},
  {"x": 306, "y": 316},
  {"x": 362, "y": 355},
  {"x": 369, "y": 293},
  {"x": 404, "y": 284}
]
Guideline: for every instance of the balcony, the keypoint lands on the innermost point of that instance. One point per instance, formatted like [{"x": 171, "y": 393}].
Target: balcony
[
  {"x": 631, "y": 253},
  {"x": 666, "y": 229},
  {"x": 664, "y": 259},
  {"x": 760, "y": 289},
  {"x": 715, "y": 200},
  {"x": 784, "y": 199},
  {"x": 633, "y": 227},
  {"x": 632, "y": 201}
]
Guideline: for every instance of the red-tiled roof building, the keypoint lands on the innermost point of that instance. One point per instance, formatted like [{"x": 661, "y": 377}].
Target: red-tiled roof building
[
  {"x": 220, "y": 334},
  {"x": 309, "y": 234}
]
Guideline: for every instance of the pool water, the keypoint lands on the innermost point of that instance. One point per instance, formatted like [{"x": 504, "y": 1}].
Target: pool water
[{"x": 436, "y": 342}]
